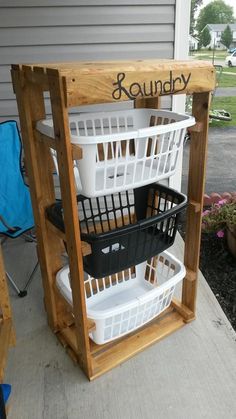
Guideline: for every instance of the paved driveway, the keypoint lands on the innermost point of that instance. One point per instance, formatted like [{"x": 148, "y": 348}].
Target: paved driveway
[
  {"x": 221, "y": 167},
  {"x": 226, "y": 91}
]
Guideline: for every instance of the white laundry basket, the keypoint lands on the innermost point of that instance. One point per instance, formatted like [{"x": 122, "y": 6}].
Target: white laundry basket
[
  {"x": 124, "y": 149},
  {"x": 123, "y": 302}
]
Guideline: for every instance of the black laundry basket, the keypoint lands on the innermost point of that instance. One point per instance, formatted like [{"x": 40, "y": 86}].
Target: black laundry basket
[{"x": 125, "y": 229}]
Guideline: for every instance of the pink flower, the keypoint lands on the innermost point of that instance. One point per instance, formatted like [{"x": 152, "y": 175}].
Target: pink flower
[
  {"x": 206, "y": 212},
  {"x": 222, "y": 202},
  {"x": 220, "y": 233}
]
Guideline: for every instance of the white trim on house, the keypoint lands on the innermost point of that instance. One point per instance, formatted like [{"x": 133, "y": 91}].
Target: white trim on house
[
  {"x": 193, "y": 43},
  {"x": 182, "y": 24}
]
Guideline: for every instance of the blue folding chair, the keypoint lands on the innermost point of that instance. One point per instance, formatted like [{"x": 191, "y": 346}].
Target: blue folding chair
[
  {"x": 16, "y": 215},
  {"x": 5, "y": 391}
]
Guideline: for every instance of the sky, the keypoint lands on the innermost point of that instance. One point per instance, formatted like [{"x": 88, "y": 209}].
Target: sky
[{"x": 231, "y": 3}]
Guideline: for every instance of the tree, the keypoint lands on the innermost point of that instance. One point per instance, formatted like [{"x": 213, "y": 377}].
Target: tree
[
  {"x": 194, "y": 6},
  {"x": 215, "y": 12},
  {"x": 227, "y": 37},
  {"x": 205, "y": 37}
]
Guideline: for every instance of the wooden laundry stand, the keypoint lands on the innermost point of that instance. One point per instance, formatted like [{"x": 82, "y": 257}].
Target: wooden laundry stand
[
  {"x": 83, "y": 83},
  {"x": 7, "y": 334}
]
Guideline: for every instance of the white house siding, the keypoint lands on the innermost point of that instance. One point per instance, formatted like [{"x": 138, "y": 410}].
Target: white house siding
[{"x": 42, "y": 31}]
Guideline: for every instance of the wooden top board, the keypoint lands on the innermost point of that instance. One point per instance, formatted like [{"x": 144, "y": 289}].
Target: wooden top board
[{"x": 111, "y": 81}]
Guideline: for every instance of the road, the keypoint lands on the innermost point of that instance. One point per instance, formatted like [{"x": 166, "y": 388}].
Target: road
[
  {"x": 226, "y": 91},
  {"x": 221, "y": 170}
]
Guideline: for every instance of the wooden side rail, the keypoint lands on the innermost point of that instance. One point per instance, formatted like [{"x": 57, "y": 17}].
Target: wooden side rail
[
  {"x": 7, "y": 332},
  {"x": 76, "y": 150},
  {"x": 5, "y": 338},
  {"x": 85, "y": 247}
]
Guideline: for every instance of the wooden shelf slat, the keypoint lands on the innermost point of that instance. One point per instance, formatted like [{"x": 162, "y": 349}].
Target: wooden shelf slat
[
  {"x": 76, "y": 150},
  {"x": 69, "y": 335},
  {"x": 111, "y": 354},
  {"x": 132, "y": 344},
  {"x": 85, "y": 247},
  {"x": 187, "y": 314}
]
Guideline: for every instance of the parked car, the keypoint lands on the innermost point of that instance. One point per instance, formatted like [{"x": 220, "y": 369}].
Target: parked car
[
  {"x": 231, "y": 60},
  {"x": 231, "y": 50}
]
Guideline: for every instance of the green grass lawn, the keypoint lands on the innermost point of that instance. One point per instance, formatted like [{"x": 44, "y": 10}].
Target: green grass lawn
[
  {"x": 208, "y": 55},
  {"x": 227, "y": 80},
  {"x": 229, "y": 70},
  {"x": 229, "y": 105}
]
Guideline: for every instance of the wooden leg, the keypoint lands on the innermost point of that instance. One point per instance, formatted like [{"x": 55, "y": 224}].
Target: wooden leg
[
  {"x": 196, "y": 182},
  {"x": 72, "y": 230},
  {"x": 31, "y": 108},
  {"x": 7, "y": 333}
]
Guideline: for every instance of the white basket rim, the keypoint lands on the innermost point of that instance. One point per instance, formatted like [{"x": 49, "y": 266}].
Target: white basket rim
[{"x": 183, "y": 121}]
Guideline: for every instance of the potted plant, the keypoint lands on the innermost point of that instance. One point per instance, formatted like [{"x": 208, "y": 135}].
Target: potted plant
[{"x": 220, "y": 219}]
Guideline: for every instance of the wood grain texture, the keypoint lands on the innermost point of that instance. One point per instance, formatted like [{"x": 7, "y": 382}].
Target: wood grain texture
[
  {"x": 184, "y": 311},
  {"x": 68, "y": 194},
  {"x": 76, "y": 150},
  {"x": 7, "y": 334},
  {"x": 95, "y": 82},
  {"x": 31, "y": 108},
  {"x": 132, "y": 344},
  {"x": 196, "y": 184},
  {"x": 5, "y": 307}
]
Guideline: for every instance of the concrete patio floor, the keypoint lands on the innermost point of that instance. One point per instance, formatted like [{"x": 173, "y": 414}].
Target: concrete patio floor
[{"x": 190, "y": 374}]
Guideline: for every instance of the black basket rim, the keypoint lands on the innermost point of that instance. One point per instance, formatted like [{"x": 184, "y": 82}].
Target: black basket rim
[{"x": 54, "y": 215}]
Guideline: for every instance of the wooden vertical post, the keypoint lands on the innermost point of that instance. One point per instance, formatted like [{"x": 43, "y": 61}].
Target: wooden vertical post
[
  {"x": 7, "y": 333},
  {"x": 68, "y": 194},
  {"x": 196, "y": 183},
  {"x": 145, "y": 102},
  {"x": 31, "y": 109},
  {"x": 4, "y": 295}
]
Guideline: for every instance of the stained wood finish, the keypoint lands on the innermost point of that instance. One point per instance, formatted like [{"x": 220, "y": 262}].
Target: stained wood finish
[
  {"x": 68, "y": 194},
  {"x": 108, "y": 81},
  {"x": 72, "y": 84},
  {"x": 107, "y": 356},
  {"x": 184, "y": 311},
  {"x": 31, "y": 108},
  {"x": 7, "y": 334},
  {"x": 123, "y": 82},
  {"x": 85, "y": 247},
  {"x": 5, "y": 307},
  {"x": 196, "y": 183},
  {"x": 75, "y": 148},
  {"x": 125, "y": 349}
]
